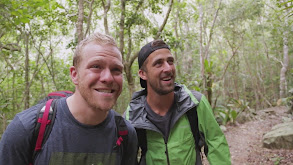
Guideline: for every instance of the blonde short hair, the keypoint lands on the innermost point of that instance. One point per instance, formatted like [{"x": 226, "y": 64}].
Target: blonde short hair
[{"x": 97, "y": 38}]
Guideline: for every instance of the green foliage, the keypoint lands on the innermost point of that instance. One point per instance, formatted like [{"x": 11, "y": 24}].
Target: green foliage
[
  {"x": 41, "y": 20},
  {"x": 155, "y": 8},
  {"x": 191, "y": 83},
  {"x": 277, "y": 160},
  {"x": 228, "y": 113},
  {"x": 225, "y": 115},
  {"x": 4, "y": 103},
  {"x": 285, "y": 5},
  {"x": 208, "y": 66}
]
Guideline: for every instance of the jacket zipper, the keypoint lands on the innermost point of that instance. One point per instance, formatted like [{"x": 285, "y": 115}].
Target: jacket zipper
[{"x": 167, "y": 154}]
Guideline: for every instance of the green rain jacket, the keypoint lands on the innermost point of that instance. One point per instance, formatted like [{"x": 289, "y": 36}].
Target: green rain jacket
[{"x": 179, "y": 149}]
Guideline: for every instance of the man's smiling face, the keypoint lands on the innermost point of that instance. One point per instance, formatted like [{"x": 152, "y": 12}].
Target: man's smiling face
[
  {"x": 159, "y": 71},
  {"x": 99, "y": 75}
]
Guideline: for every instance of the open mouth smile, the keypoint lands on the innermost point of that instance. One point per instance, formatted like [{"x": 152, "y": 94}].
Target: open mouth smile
[{"x": 105, "y": 90}]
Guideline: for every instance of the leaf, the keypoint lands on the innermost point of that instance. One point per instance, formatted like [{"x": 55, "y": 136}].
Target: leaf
[
  {"x": 24, "y": 20},
  {"x": 5, "y": 109},
  {"x": 14, "y": 13},
  {"x": 233, "y": 114},
  {"x": 206, "y": 63}
]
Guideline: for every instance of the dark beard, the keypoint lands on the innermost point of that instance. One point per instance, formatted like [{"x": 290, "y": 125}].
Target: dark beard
[{"x": 161, "y": 91}]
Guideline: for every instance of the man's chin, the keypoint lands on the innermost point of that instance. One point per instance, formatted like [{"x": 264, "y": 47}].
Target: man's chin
[
  {"x": 166, "y": 91},
  {"x": 107, "y": 106}
]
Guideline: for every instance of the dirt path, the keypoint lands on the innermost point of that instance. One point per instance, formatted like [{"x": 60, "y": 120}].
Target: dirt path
[{"x": 245, "y": 140}]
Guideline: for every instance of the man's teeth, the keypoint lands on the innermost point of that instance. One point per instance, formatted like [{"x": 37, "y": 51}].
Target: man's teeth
[
  {"x": 166, "y": 79},
  {"x": 105, "y": 91}
]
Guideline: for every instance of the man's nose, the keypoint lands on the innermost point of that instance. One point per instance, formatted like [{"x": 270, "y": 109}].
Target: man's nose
[
  {"x": 167, "y": 67},
  {"x": 106, "y": 76}
]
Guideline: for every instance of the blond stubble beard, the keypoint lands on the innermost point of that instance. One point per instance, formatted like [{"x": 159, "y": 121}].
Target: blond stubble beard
[{"x": 91, "y": 101}]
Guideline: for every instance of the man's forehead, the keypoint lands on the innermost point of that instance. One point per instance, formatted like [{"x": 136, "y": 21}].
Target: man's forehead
[
  {"x": 103, "y": 48},
  {"x": 161, "y": 54}
]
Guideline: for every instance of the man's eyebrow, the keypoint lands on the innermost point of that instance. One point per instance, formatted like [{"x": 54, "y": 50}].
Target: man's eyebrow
[
  {"x": 156, "y": 61},
  {"x": 119, "y": 65}
]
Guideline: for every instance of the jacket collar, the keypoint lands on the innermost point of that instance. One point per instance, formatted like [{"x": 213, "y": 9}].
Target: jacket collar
[{"x": 137, "y": 113}]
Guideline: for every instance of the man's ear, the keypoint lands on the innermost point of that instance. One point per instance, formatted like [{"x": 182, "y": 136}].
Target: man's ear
[
  {"x": 73, "y": 74},
  {"x": 142, "y": 74}
]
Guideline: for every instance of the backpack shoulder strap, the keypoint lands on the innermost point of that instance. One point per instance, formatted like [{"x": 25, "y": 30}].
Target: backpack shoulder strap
[
  {"x": 193, "y": 121},
  {"x": 61, "y": 93},
  {"x": 122, "y": 130},
  {"x": 45, "y": 120},
  {"x": 56, "y": 95},
  {"x": 142, "y": 143},
  {"x": 44, "y": 123},
  {"x": 122, "y": 133}
]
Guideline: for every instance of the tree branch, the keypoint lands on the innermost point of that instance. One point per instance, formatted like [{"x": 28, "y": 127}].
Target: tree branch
[
  {"x": 11, "y": 47},
  {"x": 89, "y": 18},
  {"x": 165, "y": 20},
  {"x": 121, "y": 26},
  {"x": 79, "y": 24},
  {"x": 106, "y": 9},
  {"x": 212, "y": 30},
  {"x": 234, "y": 50}
]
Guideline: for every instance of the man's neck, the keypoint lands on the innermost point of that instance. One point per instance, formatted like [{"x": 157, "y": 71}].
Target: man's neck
[
  {"x": 160, "y": 104},
  {"x": 83, "y": 113}
]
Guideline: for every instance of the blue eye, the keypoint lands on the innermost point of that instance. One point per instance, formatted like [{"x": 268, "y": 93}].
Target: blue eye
[
  {"x": 117, "y": 71},
  {"x": 96, "y": 66}
]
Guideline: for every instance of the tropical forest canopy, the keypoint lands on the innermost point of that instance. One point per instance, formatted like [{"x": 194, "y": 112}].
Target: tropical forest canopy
[{"x": 236, "y": 52}]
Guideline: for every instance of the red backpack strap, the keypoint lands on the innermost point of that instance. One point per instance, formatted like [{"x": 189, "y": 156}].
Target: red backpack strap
[
  {"x": 60, "y": 93},
  {"x": 122, "y": 136},
  {"x": 122, "y": 131},
  {"x": 56, "y": 95},
  {"x": 44, "y": 122}
]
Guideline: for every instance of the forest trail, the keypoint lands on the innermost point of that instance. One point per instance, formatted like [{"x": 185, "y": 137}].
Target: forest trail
[{"x": 245, "y": 140}]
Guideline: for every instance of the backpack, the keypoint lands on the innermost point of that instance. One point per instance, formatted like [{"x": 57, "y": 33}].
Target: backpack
[
  {"x": 46, "y": 117},
  {"x": 197, "y": 135}
]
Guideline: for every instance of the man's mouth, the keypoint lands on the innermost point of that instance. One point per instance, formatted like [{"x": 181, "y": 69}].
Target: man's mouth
[
  {"x": 105, "y": 90},
  {"x": 167, "y": 79}
]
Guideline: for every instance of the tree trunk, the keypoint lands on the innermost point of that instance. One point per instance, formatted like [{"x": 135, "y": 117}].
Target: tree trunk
[
  {"x": 201, "y": 52},
  {"x": 207, "y": 77},
  {"x": 128, "y": 64},
  {"x": 176, "y": 24},
  {"x": 88, "y": 26},
  {"x": 285, "y": 63},
  {"x": 207, "y": 47},
  {"x": 79, "y": 25},
  {"x": 13, "y": 82},
  {"x": 235, "y": 78},
  {"x": 126, "y": 60},
  {"x": 209, "y": 88},
  {"x": 13, "y": 92},
  {"x": 49, "y": 63},
  {"x": 121, "y": 27},
  {"x": 27, "y": 70},
  {"x": 130, "y": 80},
  {"x": 283, "y": 82},
  {"x": 200, "y": 40},
  {"x": 4, "y": 122},
  {"x": 106, "y": 9}
]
